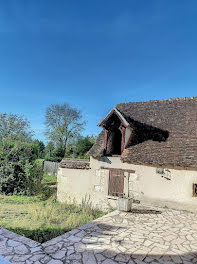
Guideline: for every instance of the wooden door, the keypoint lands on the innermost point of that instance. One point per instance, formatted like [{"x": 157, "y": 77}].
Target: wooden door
[{"x": 116, "y": 183}]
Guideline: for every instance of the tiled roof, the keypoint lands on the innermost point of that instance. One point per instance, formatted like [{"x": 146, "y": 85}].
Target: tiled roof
[
  {"x": 165, "y": 133},
  {"x": 75, "y": 164}
]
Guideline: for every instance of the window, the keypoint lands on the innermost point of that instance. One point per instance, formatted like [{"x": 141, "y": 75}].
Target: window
[
  {"x": 195, "y": 189},
  {"x": 114, "y": 142}
]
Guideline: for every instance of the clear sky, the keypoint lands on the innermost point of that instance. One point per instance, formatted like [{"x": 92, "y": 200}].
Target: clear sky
[{"x": 94, "y": 54}]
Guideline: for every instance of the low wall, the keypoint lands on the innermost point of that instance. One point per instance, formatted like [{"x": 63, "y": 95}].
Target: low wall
[
  {"x": 85, "y": 184},
  {"x": 151, "y": 185}
]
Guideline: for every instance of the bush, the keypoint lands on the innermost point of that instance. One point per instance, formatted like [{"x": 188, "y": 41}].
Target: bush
[
  {"x": 53, "y": 159},
  {"x": 38, "y": 148},
  {"x": 45, "y": 193},
  {"x": 53, "y": 153},
  {"x": 49, "y": 179},
  {"x": 19, "y": 173}
]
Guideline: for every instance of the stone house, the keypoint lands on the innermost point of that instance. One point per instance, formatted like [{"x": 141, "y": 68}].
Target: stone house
[{"x": 146, "y": 150}]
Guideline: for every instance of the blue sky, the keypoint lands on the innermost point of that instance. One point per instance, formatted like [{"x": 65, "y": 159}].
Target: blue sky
[{"x": 94, "y": 54}]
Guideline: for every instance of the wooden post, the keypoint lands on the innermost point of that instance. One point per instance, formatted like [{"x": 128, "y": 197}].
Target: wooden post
[
  {"x": 123, "y": 139},
  {"x": 105, "y": 142}
]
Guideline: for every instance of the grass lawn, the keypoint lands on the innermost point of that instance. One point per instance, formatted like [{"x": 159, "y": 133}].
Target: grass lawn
[
  {"x": 49, "y": 179},
  {"x": 42, "y": 220}
]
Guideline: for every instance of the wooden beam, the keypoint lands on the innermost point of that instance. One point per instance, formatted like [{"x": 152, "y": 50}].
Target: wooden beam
[
  {"x": 125, "y": 170},
  {"x": 123, "y": 139},
  {"x": 106, "y": 138}
]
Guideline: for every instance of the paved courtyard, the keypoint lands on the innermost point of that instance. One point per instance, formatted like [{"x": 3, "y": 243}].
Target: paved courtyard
[{"x": 145, "y": 235}]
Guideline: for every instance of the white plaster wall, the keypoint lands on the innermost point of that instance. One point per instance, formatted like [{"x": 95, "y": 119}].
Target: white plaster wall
[
  {"x": 127, "y": 134},
  {"x": 81, "y": 184},
  {"x": 173, "y": 190}
]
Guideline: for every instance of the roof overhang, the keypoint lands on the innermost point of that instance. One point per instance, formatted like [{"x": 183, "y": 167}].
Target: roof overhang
[{"x": 120, "y": 116}]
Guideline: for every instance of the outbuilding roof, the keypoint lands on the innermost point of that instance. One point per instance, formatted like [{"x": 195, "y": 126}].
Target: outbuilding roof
[{"x": 165, "y": 133}]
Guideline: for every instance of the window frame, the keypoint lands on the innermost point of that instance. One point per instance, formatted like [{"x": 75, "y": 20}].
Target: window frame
[{"x": 194, "y": 190}]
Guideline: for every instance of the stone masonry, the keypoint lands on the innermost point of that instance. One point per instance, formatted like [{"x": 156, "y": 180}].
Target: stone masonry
[{"x": 145, "y": 235}]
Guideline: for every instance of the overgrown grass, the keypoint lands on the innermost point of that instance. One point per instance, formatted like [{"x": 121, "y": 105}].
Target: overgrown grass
[
  {"x": 42, "y": 220},
  {"x": 41, "y": 217},
  {"x": 16, "y": 199},
  {"x": 49, "y": 179}
]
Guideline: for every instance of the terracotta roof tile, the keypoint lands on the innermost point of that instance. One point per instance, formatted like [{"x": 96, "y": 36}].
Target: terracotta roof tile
[
  {"x": 75, "y": 164},
  {"x": 175, "y": 119}
]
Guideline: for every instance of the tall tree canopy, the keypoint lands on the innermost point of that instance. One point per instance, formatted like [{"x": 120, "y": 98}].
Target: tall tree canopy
[
  {"x": 63, "y": 124},
  {"x": 83, "y": 144},
  {"x": 14, "y": 127},
  {"x": 38, "y": 148}
]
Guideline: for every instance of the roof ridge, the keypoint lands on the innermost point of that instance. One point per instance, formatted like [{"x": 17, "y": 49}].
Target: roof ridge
[{"x": 161, "y": 100}]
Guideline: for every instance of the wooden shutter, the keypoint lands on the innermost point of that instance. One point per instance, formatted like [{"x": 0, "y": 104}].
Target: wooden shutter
[{"x": 116, "y": 183}]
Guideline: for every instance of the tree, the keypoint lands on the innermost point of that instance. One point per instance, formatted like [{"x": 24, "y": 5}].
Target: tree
[
  {"x": 52, "y": 153},
  {"x": 63, "y": 124},
  {"x": 83, "y": 144},
  {"x": 14, "y": 127},
  {"x": 49, "y": 149},
  {"x": 38, "y": 147},
  {"x": 19, "y": 173}
]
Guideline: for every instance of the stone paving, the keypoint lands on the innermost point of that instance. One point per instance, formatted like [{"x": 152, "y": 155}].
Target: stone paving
[{"x": 145, "y": 235}]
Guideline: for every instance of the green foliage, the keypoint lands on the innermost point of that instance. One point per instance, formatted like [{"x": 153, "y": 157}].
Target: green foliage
[
  {"x": 63, "y": 125},
  {"x": 49, "y": 149},
  {"x": 54, "y": 159},
  {"x": 38, "y": 148},
  {"x": 40, "y": 162},
  {"x": 76, "y": 149},
  {"x": 135, "y": 201},
  {"x": 19, "y": 173},
  {"x": 18, "y": 199},
  {"x": 49, "y": 179},
  {"x": 53, "y": 153},
  {"x": 14, "y": 127},
  {"x": 45, "y": 193},
  {"x": 43, "y": 220},
  {"x": 59, "y": 152},
  {"x": 165, "y": 207},
  {"x": 82, "y": 145}
]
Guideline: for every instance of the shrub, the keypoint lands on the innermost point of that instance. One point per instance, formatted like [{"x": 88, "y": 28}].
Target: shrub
[
  {"x": 53, "y": 159},
  {"x": 49, "y": 179},
  {"x": 45, "y": 193},
  {"x": 19, "y": 173},
  {"x": 38, "y": 148}
]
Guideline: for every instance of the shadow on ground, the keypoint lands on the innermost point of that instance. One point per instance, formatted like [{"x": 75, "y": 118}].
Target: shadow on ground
[
  {"x": 145, "y": 211},
  {"x": 38, "y": 235}
]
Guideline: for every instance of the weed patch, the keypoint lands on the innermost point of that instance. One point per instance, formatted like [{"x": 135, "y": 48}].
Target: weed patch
[
  {"x": 42, "y": 220},
  {"x": 49, "y": 179}
]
